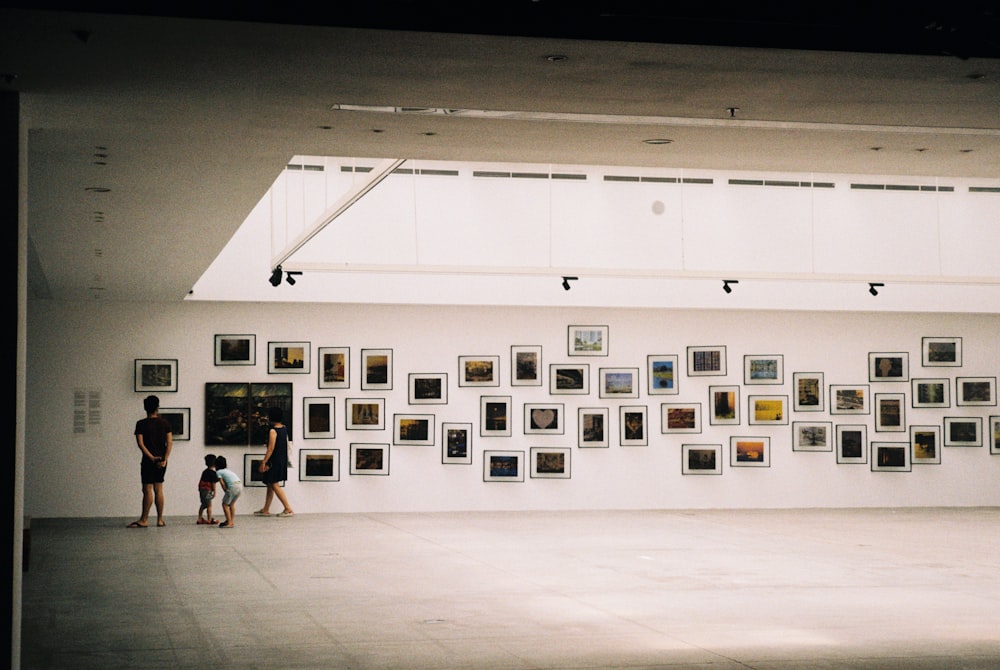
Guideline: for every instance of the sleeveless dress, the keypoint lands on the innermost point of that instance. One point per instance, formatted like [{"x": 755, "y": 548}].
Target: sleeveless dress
[{"x": 278, "y": 464}]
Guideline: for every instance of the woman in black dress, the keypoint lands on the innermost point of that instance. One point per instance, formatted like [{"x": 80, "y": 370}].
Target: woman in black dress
[{"x": 274, "y": 467}]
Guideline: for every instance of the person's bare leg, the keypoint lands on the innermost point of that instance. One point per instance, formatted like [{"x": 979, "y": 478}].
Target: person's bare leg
[
  {"x": 268, "y": 499},
  {"x": 276, "y": 490},
  {"x": 147, "y": 503},
  {"x": 158, "y": 496}
]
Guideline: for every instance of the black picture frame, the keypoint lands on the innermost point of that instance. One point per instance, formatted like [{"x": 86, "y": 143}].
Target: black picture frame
[
  {"x": 456, "y": 443},
  {"x": 233, "y": 349},
  {"x": 376, "y": 369},
  {"x": 334, "y": 367},
  {"x": 288, "y": 358},
  {"x": 319, "y": 465},
  {"x": 180, "y": 421},
  {"x": 236, "y": 413},
  {"x": 155, "y": 375},
  {"x": 526, "y": 365}
]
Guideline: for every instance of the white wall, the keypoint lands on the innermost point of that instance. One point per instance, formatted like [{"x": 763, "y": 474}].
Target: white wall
[{"x": 92, "y": 346}]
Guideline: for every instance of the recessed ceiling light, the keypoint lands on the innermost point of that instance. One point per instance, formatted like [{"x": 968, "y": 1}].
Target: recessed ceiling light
[{"x": 658, "y": 140}]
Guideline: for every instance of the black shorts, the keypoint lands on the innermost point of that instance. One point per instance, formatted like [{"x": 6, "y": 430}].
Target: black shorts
[{"x": 151, "y": 472}]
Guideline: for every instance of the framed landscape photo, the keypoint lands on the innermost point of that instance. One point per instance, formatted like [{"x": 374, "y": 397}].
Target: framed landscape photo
[
  {"x": 890, "y": 412},
  {"x": 544, "y": 419},
  {"x": 618, "y": 382},
  {"x": 369, "y": 459},
  {"x": 812, "y": 436},
  {"x": 236, "y": 413},
  {"x": 963, "y": 431},
  {"x": 852, "y": 443},
  {"x": 750, "y": 452},
  {"x": 994, "y": 435},
  {"x": 456, "y": 443},
  {"x": 701, "y": 459},
  {"x": 365, "y": 413},
  {"x": 632, "y": 424},
  {"x": 768, "y": 410},
  {"x": 930, "y": 392},
  {"x": 941, "y": 351},
  {"x": 764, "y": 369},
  {"x": 925, "y": 445},
  {"x": 494, "y": 416},
  {"x": 526, "y": 365},
  {"x": 156, "y": 375},
  {"x": 662, "y": 374},
  {"x": 592, "y": 427},
  {"x": 415, "y": 429},
  {"x": 706, "y": 361},
  {"x": 428, "y": 388},
  {"x": 235, "y": 349},
  {"x": 890, "y": 457},
  {"x": 288, "y": 357},
  {"x": 680, "y": 417},
  {"x": 479, "y": 371},
  {"x": 503, "y": 466},
  {"x": 319, "y": 465},
  {"x": 334, "y": 367},
  {"x": 975, "y": 391},
  {"x": 550, "y": 462},
  {"x": 318, "y": 418},
  {"x": 808, "y": 392},
  {"x": 724, "y": 405},
  {"x": 252, "y": 476},
  {"x": 179, "y": 419},
  {"x": 849, "y": 399},
  {"x": 569, "y": 379},
  {"x": 889, "y": 367},
  {"x": 587, "y": 341},
  {"x": 376, "y": 369}
]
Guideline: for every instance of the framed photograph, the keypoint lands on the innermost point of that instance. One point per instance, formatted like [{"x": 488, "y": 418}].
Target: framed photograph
[
  {"x": 889, "y": 367},
  {"x": 479, "y": 371},
  {"x": 890, "y": 457},
  {"x": 931, "y": 392},
  {"x": 156, "y": 375},
  {"x": 365, "y": 413},
  {"x": 376, "y": 369},
  {"x": 768, "y": 410},
  {"x": 701, "y": 459},
  {"x": 252, "y": 476},
  {"x": 963, "y": 431},
  {"x": 456, "y": 443},
  {"x": 812, "y": 436},
  {"x": 975, "y": 391},
  {"x": 994, "y": 427},
  {"x": 724, "y": 405},
  {"x": 318, "y": 416},
  {"x": 235, "y": 349},
  {"x": 632, "y": 423},
  {"x": 543, "y": 419},
  {"x": 319, "y": 465},
  {"x": 236, "y": 412},
  {"x": 494, "y": 416},
  {"x": 180, "y": 421},
  {"x": 661, "y": 374},
  {"x": 680, "y": 417},
  {"x": 503, "y": 466},
  {"x": 526, "y": 365},
  {"x": 852, "y": 443},
  {"x": 750, "y": 452},
  {"x": 618, "y": 382},
  {"x": 369, "y": 459},
  {"x": 592, "y": 426},
  {"x": 849, "y": 399},
  {"x": 925, "y": 445},
  {"x": 415, "y": 429},
  {"x": 588, "y": 341},
  {"x": 808, "y": 392},
  {"x": 334, "y": 367},
  {"x": 550, "y": 462},
  {"x": 288, "y": 357},
  {"x": 890, "y": 412},
  {"x": 941, "y": 351},
  {"x": 764, "y": 369},
  {"x": 706, "y": 361},
  {"x": 428, "y": 388},
  {"x": 567, "y": 379}
]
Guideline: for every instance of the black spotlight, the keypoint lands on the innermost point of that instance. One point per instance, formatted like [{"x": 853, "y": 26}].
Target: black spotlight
[
  {"x": 726, "y": 284},
  {"x": 566, "y": 281},
  {"x": 289, "y": 277},
  {"x": 275, "y": 276},
  {"x": 873, "y": 287}
]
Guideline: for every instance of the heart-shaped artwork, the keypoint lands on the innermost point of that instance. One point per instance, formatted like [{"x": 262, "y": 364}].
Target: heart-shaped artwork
[{"x": 543, "y": 418}]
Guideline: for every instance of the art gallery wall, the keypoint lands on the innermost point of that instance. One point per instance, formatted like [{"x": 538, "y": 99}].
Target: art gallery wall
[{"x": 82, "y": 461}]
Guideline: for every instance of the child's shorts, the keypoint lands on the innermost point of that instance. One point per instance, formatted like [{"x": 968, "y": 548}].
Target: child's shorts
[
  {"x": 232, "y": 493},
  {"x": 207, "y": 496}
]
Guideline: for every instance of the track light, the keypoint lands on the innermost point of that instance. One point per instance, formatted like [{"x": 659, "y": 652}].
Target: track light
[
  {"x": 275, "y": 276},
  {"x": 873, "y": 287},
  {"x": 726, "y": 284},
  {"x": 566, "y": 281},
  {"x": 290, "y": 278}
]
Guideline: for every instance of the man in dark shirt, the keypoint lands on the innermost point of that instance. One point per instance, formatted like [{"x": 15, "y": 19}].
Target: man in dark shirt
[{"x": 154, "y": 437}]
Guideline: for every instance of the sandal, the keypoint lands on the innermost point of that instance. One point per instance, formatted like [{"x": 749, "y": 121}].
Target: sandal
[
  {"x": 136, "y": 524},
  {"x": 261, "y": 512},
  {"x": 286, "y": 512},
  {"x": 203, "y": 522}
]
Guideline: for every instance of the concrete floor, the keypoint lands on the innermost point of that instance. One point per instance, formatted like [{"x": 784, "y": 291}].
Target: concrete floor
[{"x": 802, "y": 589}]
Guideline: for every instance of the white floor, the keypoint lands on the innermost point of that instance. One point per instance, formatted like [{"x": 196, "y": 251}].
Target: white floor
[{"x": 725, "y": 589}]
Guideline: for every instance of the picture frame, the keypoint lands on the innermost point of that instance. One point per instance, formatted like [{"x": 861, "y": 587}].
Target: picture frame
[
  {"x": 180, "y": 422},
  {"x": 925, "y": 445},
  {"x": 526, "y": 365},
  {"x": 413, "y": 429},
  {"x": 890, "y": 412},
  {"x": 334, "y": 367},
  {"x": 662, "y": 374},
  {"x": 849, "y": 399},
  {"x": 544, "y": 418},
  {"x": 288, "y": 358},
  {"x": 550, "y": 462},
  {"x": 156, "y": 375},
  {"x": 632, "y": 422},
  {"x": 479, "y": 371},
  {"x": 427, "y": 388},
  {"x": 808, "y": 392},
  {"x": 724, "y": 405},
  {"x": 749, "y": 452},
  {"x": 569, "y": 379},
  {"x": 975, "y": 391},
  {"x": 618, "y": 382},
  {"x": 376, "y": 369},
  {"x": 941, "y": 351},
  {"x": 701, "y": 459},
  {"x": 767, "y": 410},
  {"x": 763, "y": 369},
  {"x": 494, "y": 416},
  {"x": 707, "y": 361},
  {"x": 319, "y": 465},
  {"x": 456, "y": 443},
  {"x": 364, "y": 413},
  {"x": 926, "y": 393},
  {"x": 680, "y": 417},
  {"x": 994, "y": 435},
  {"x": 963, "y": 431},
  {"x": 369, "y": 459},
  {"x": 889, "y": 366},
  {"x": 592, "y": 427},
  {"x": 236, "y": 413},
  {"x": 890, "y": 457},
  {"x": 852, "y": 443},
  {"x": 503, "y": 466},
  {"x": 235, "y": 349},
  {"x": 252, "y": 476},
  {"x": 812, "y": 436},
  {"x": 319, "y": 418},
  {"x": 587, "y": 341}
]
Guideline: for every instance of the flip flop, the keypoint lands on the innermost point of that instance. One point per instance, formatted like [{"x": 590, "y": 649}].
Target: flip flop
[
  {"x": 261, "y": 513},
  {"x": 136, "y": 524}
]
